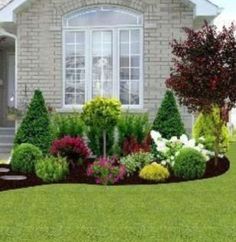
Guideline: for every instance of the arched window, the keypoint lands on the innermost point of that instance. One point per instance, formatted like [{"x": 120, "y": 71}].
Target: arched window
[{"x": 103, "y": 55}]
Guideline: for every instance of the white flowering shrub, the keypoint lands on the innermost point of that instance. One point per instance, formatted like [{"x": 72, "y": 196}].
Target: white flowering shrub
[{"x": 166, "y": 151}]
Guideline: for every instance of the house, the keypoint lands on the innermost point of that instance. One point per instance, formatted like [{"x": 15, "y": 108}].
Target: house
[{"x": 74, "y": 50}]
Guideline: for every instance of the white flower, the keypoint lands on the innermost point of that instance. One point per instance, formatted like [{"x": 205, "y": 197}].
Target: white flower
[
  {"x": 184, "y": 139},
  {"x": 164, "y": 162},
  {"x": 174, "y": 139},
  {"x": 155, "y": 135},
  {"x": 202, "y": 139},
  {"x": 161, "y": 146},
  {"x": 154, "y": 164},
  {"x": 201, "y": 146},
  {"x": 172, "y": 158}
]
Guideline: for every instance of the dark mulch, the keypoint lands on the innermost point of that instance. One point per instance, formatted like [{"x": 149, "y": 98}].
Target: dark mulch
[{"x": 78, "y": 175}]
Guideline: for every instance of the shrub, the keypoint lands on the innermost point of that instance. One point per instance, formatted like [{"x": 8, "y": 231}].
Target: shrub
[
  {"x": 168, "y": 121},
  {"x": 25, "y": 157},
  {"x": 166, "y": 150},
  {"x": 134, "y": 126},
  {"x": 67, "y": 125},
  {"x": 206, "y": 129},
  {"x": 72, "y": 148},
  {"x": 154, "y": 172},
  {"x": 52, "y": 169},
  {"x": 135, "y": 162},
  {"x": 35, "y": 127},
  {"x": 189, "y": 164},
  {"x": 102, "y": 114},
  {"x": 107, "y": 171}
]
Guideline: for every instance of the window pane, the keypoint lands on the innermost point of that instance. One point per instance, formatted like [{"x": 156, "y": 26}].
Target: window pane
[
  {"x": 124, "y": 61},
  {"x": 135, "y": 93},
  {"x": 103, "y": 16},
  {"x": 124, "y": 93},
  {"x": 70, "y": 99},
  {"x": 134, "y": 74},
  {"x": 135, "y": 61},
  {"x": 124, "y": 73},
  {"x": 124, "y": 49},
  {"x": 135, "y": 36},
  {"x": 124, "y": 36},
  {"x": 135, "y": 48}
]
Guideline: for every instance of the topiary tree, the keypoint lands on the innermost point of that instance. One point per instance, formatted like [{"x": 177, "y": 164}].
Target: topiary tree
[
  {"x": 207, "y": 126},
  {"x": 168, "y": 121},
  {"x": 35, "y": 127},
  {"x": 103, "y": 114}
]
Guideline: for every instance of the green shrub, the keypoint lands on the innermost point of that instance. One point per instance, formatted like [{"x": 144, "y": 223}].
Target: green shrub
[
  {"x": 35, "y": 127},
  {"x": 135, "y": 162},
  {"x": 154, "y": 172},
  {"x": 168, "y": 121},
  {"x": 52, "y": 169},
  {"x": 132, "y": 126},
  {"x": 189, "y": 164},
  {"x": 24, "y": 158},
  {"x": 215, "y": 133},
  {"x": 67, "y": 125},
  {"x": 102, "y": 114}
]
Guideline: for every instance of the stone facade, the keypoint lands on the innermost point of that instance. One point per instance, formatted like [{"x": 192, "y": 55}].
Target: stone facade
[{"x": 39, "y": 33}]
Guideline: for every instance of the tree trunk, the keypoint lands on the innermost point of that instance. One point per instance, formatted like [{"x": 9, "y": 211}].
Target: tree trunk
[{"x": 104, "y": 143}]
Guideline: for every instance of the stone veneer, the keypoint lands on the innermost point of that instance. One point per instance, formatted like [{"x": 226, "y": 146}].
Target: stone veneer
[{"x": 39, "y": 32}]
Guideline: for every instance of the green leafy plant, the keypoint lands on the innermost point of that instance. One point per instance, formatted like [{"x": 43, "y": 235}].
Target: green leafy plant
[
  {"x": 212, "y": 132},
  {"x": 132, "y": 128},
  {"x": 168, "y": 120},
  {"x": 135, "y": 162},
  {"x": 102, "y": 114},
  {"x": 189, "y": 164},
  {"x": 52, "y": 169},
  {"x": 35, "y": 127},
  {"x": 154, "y": 172},
  {"x": 67, "y": 125},
  {"x": 24, "y": 158}
]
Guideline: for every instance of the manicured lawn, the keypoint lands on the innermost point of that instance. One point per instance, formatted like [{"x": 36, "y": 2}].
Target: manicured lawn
[{"x": 193, "y": 211}]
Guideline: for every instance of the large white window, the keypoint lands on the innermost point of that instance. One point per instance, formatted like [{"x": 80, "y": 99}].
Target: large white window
[{"x": 103, "y": 56}]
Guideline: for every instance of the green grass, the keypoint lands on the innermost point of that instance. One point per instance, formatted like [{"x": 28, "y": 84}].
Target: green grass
[{"x": 193, "y": 211}]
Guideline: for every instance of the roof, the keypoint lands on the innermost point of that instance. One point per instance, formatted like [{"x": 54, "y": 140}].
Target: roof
[
  {"x": 3, "y": 3},
  {"x": 202, "y": 8}
]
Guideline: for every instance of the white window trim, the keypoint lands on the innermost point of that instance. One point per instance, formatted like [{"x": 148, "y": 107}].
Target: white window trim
[{"x": 116, "y": 63}]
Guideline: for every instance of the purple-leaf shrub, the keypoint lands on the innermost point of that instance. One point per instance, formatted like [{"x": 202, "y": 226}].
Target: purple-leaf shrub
[{"x": 107, "y": 171}]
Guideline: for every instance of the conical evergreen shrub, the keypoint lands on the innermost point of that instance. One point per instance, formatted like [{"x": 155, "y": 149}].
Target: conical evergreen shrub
[
  {"x": 35, "y": 127},
  {"x": 168, "y": 121}
]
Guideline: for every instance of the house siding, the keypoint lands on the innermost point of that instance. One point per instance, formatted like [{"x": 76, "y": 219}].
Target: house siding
[{"x": 40, "y": 50}]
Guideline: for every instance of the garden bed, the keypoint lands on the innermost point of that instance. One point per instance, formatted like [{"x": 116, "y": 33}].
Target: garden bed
[{"x": 78, "y": 176}]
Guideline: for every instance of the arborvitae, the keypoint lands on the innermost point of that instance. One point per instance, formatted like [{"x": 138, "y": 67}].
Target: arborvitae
[
  {"x": 168, "y": 120},
  {"x": 35, "y": 127}
]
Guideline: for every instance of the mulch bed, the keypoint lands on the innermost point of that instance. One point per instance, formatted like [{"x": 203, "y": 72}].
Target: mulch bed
[{"x": 78, "y": 175}]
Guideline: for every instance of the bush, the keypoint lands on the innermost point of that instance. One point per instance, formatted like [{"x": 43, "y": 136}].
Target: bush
[
  {"x": 67, "y": 125},
  {"x": 168, "y": 121},
  {"x": 25, "y": 157},
  {"x": 107, "y": 171},
  {"x": 72, "y": 148},
  {"x": 154, "y": 172},
  {"x": 52, "y": 169},
  {"x": 102, "y": 114},
  {"x": 189, "y": 164},
  {"x": 35, "y": 127},
  {"x": 206, "y": 130},
  {"x": 135, "y": 162}
]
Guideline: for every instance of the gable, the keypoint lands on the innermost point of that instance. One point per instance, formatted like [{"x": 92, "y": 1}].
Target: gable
[{"x": 3, "y": 3}]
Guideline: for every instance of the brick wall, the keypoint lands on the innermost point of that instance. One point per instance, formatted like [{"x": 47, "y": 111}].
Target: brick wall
[{"x": 40, "y": 46}]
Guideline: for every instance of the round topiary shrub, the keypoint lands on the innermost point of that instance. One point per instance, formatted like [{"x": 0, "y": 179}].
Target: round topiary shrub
[
  {"x": 25, "y": 157},
  {"x": 52, "y": 169},
  {"x": 189, "y": 164},
  {"x": 154, "y": 172}
]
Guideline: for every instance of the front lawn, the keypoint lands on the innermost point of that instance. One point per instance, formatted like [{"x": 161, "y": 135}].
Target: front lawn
[{"x": 201, "y": 210}]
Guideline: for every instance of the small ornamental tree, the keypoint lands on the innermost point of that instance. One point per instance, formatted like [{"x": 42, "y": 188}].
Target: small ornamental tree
[
  {"x": 35, "y": 127},
  {"x": 204, "y": 73},
  {"x": 102, "y": 114},
  {"x": 168, "y": 121}
]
